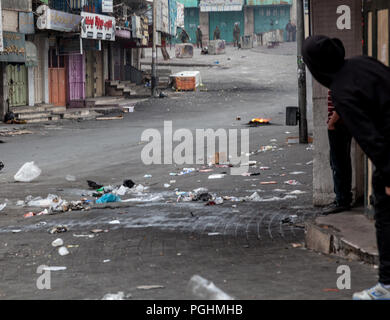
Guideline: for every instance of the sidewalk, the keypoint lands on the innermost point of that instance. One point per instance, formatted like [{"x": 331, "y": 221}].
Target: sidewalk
[{"x": 349, "y": 234}]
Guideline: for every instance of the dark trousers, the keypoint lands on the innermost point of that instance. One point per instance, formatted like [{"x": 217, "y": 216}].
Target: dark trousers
[
  {"x": 382, "y": 224},
  {"x": 199, "y": 44},
  {"x": 340, "y": 162}
]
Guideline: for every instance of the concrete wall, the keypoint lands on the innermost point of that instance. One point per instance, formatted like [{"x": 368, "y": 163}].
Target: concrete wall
[
  {"x": 249, "y": 21},
  {"x": 204, "y": 26},
  {"x": 324, "y": 19}
]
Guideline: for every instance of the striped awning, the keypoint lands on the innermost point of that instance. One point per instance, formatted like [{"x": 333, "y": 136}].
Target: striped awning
[{"x": 220, "y": 5}]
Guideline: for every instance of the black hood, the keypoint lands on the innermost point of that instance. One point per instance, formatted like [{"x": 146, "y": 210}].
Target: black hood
[{"x": 324, "y": 57}]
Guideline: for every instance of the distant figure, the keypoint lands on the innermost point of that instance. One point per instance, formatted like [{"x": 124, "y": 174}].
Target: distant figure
[
  {"x": 294, "y": 32},
  {"x": 184, "y": 36},
  {"x": 199, "y": 36},
  {"x": 217, "y": 33},
  {"x": 289, "y": 29},
  {"x": 236, "y": 35}
]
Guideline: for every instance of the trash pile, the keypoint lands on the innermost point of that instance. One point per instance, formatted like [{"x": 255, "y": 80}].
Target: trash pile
[{"x": 199, "y": 194}]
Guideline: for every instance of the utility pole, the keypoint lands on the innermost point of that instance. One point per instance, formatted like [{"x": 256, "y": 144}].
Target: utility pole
[
  {"x": 154, "y": 51},
  {"x": 302, "y": 97}
]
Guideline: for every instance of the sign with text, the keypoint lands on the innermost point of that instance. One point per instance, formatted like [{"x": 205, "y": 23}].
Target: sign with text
[
  {"x": 14, "y": 47},
  {"x": 97, "y": 26},
  {"x": 26, "y": 22},
  {"x": 58, "y": 21},
  {"x": 107, "y": 6}
]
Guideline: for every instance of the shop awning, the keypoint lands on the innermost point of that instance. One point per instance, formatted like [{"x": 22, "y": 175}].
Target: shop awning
[
  {"x": 220, "y": 5},
  {"x": 268, "y": 2}
]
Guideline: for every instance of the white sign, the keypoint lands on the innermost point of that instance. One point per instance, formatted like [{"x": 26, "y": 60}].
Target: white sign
[
  {"x": 97, "y": 26},
  {"x": 1, "y": 30},
  {"x": 107, "y": 6},
  {"x": 344, "y": 20},
  {"x": 180, "y": 15}
]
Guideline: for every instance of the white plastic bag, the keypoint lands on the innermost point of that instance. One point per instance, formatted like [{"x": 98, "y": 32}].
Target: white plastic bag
[{"x": 28, "y": 172}]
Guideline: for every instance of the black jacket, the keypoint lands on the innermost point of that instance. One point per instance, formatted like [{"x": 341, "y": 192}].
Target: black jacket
[{"x": 360, "y": 90}]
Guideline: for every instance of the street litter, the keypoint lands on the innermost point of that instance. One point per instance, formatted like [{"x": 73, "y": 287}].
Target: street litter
[
  {"x": 2, "y": 206},
  {"x": 107, "y": 260},
  {"x": 267, "y": 148},
  {"x": 216, "y": 176},
  {"x": 128, "y": 183},
  {"x": 310, "y": 162},
  {"x": 292, "y": 182},
  {"x": 54, "y": 268},
  {"x": 121, "y": 191},
  {"x": 98, "y": 230},
  {"x": 297, "y": 172},
  {"x": 150, "y": 287},
  {"x": 166, "y": 185},
  {"x": 58, "y": 229},
  {"x": 265, "y": 168},
  {"x": 296, "y": 245},
  {"x": 63, "y": 251},
  {"x": 108, "y": 197},
  {"x": 57, "y": 242},
  {"x": 213, "y": 234},
  {"x": 268, "y": 182},
  {"x": 114, "y": 222},
  {"x": 110, "y": 118},
  {"x": 94, "y": 185},
  {"x": 28, "y": 172},
  {"x": 206, "y": 290},
  {"x": 16, "y": 231},
  {"x": 147, "y": 176},
  {"x": 1, "y": 166},
  {"x": 116, "y": 296},
  {"x": 297, "y": 192},
  {"x": 84, "y": 236},
  {"x": 310, "y": 147},
  {"x": 70, "y": 178},
  {"x": 290, "y": 219},
  {"x": 292, "y": 140}
]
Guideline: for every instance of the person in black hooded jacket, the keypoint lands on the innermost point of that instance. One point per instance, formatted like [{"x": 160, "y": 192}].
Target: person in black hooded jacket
[{"x": 360, "y": 91}]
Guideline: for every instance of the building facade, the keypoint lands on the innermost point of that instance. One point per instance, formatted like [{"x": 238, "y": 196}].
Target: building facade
[
  {"x": 254, "y": 17},
  {"x": 64, "y": 52}
]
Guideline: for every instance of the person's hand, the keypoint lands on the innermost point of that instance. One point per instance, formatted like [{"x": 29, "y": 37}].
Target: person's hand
[
  {"x": 387, "y": 191},
  {"x": 331, "y": 126}
]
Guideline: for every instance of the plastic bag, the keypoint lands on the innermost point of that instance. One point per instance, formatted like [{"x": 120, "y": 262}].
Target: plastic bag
[
  {"x": 108, "y": 197},
  {"x": 28, "y": 172}
]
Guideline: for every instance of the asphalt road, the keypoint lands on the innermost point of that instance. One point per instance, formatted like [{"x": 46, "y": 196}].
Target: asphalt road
[{"x": 248, "y": 249}]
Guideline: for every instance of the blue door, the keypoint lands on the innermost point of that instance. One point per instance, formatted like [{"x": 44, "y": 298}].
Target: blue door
[
  {"x": 225, "y": 22},
  {"x": 269, "y": 18}
]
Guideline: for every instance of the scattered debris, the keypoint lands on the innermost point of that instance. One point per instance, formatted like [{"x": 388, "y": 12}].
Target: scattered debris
[
  {"x": 28, "y": 172},
  {"x": 84, "y": 236},
  {"x": 296, "y": 245},
  {"x": 2, "y": 206},
  {"x": 14, "y": 132},
  {"x": 216, "y": 176},
  {"x": 128, "y": 183},
  {"x": 94, "y": 185},
  {"x": 58, "y": 229},
  {"x": 114, "y": 222},
  {"x": 268, "y": 182},
  {"x": 116, "y": 296},
  {"x": 150, "y": 287},
  {"x": 110, "y": 118},
  {"x": 292, "y": 182},
  {"x": 1, "y": 166},
  {"x": 63, "y": 251},
  {"x": 290, "y": 219},
  {"x": 108, "y": 197},
  {"x": 206, "y": 290},
  {"x": 57, "y": 242},
  {"x": 297, "y": 172},
  {"x": 70, "y": 178}
]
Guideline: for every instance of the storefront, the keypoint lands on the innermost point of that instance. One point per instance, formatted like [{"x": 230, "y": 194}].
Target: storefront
[
  {"x": 60, "y": 27},
  {"x": 96, "y": 30},
  {"x": 14, "y": 55}
]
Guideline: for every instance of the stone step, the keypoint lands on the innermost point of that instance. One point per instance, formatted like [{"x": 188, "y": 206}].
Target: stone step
[
  {"x": 37, "y": 120},
  {"x": 55, "y": 109},
  {"x": 33, "y": 115},
  {"x": 27, "y": 109}
]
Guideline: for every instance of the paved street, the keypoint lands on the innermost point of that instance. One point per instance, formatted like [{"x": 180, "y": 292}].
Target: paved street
[{"x": 248, "y": 249}]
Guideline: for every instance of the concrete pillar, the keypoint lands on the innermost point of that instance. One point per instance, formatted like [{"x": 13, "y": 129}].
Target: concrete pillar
[
  {"x": 204, "y": 26},
  {"x": 3, "y": 91},
  {"x": 293, "y": 12},
  {"x": 46, "y": 70},
  {"x": 31, "y": 86},
  {"x": 249, "y": 28}
]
